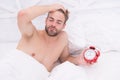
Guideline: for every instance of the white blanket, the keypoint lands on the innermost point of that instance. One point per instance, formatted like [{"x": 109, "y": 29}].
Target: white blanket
[
  {"x": 68, "y": 71},
  {"x": 19, "y": 66}
]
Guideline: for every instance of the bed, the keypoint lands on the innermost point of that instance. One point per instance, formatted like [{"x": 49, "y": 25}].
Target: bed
[{"x": 91, "y": 22}]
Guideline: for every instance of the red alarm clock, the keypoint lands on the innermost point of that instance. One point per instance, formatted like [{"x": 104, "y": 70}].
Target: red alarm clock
[{"x": 91, "y": 54}]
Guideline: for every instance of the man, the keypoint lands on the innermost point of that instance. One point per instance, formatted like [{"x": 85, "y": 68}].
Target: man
[{"x": 49, "y": 45}]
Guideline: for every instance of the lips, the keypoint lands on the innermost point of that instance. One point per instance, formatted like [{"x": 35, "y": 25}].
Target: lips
[{"x": 51, "y": 28}]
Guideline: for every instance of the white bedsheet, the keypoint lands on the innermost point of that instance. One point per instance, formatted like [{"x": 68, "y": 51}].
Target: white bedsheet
[
  {"x": 68, "y": 71},
  {"x": 107, "y": 67},
  {"x": 17, "y": 65}
]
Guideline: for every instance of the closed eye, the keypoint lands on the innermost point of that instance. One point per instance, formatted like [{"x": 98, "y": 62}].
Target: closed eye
[
  {"x": 51, "y": 19},
  {"x": 59, "y": 22}
]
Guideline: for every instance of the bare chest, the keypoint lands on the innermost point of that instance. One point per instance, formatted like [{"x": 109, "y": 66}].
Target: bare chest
[{"x": 43, "y": 51}]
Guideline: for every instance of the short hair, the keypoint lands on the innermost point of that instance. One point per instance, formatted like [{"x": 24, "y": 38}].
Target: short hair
[{"x": 66, "y": 13}]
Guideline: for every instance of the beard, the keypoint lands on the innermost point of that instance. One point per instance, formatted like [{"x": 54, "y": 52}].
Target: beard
[{"x": 51, "y": 31}]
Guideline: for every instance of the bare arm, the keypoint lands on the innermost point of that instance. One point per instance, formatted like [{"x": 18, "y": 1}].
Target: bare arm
[
  {"x": 77, "y": 60},
  {"x": 26, "y": 15},
  {"x": 65, "y": 56}
]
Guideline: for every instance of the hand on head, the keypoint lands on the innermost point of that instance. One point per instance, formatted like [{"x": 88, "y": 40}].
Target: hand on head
[{"x": 58, "y": 6}]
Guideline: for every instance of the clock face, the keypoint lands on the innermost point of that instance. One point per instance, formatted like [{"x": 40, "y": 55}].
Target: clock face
[{"x": 90, "y": 54}]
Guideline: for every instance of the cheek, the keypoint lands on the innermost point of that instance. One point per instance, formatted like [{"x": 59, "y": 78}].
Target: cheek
[
  {"x": 48, "y": 22},
  {"x": 60, "y": 27}
]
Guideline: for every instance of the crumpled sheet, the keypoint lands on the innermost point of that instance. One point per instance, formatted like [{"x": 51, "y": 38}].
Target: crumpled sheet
[{"x": 17, "y": 65}]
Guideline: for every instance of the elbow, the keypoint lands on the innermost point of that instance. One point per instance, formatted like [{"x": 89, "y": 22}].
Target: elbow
[
  {"x": 22, "y": 18},
  {"x": 22, "y": 15}
]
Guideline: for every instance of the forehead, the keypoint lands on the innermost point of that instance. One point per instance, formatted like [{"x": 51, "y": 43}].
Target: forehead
[{"x": 57, "y": 15}]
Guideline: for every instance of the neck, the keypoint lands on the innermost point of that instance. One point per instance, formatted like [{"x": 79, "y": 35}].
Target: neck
[{"x": 49, "y": 38}]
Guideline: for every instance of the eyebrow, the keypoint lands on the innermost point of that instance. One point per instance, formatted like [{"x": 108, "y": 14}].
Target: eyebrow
[{"x": 51, "y": 17}]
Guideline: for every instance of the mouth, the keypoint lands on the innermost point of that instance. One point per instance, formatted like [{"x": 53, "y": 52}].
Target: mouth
[{"x": 52, "y": 29}]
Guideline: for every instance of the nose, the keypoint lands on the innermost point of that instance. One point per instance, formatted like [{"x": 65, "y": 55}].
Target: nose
[{"x": 54, "y": 24}]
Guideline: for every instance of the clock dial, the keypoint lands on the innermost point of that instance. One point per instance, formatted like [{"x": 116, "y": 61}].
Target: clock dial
[{"x": 90, "y": 54}]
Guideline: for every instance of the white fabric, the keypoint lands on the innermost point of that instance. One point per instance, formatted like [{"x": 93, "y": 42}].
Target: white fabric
[
  {"x": 9, "y": 30},
  {"x": 8, "y": 8},
  {"x": 107, "y": 67},
  {"x": 98, "y": 27},
  {"x": 68, "y": 71},
  {"x": 6, "y": 47},
  {"x": 19, "y": 66}
]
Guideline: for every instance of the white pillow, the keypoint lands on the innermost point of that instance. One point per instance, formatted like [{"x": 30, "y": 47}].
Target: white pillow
[
  {"x": 28, "y": 3},
  {"x": 98, "y": 4},
  {"x": 100, "y": 28},
  {"x": 9, "y": 30},
  {"x": 103, "y": 31},
  {"x": 8, "y": 6},
  {"x": 76, "y": 34},
  {"x": 6, "y": 47}
]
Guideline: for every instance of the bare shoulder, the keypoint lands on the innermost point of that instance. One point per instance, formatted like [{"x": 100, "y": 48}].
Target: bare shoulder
[{"x": 63, "y": 35}]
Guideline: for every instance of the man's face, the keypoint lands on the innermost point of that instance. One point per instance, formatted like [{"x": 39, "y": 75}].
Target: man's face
[{"x": 54, "y": 23}]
